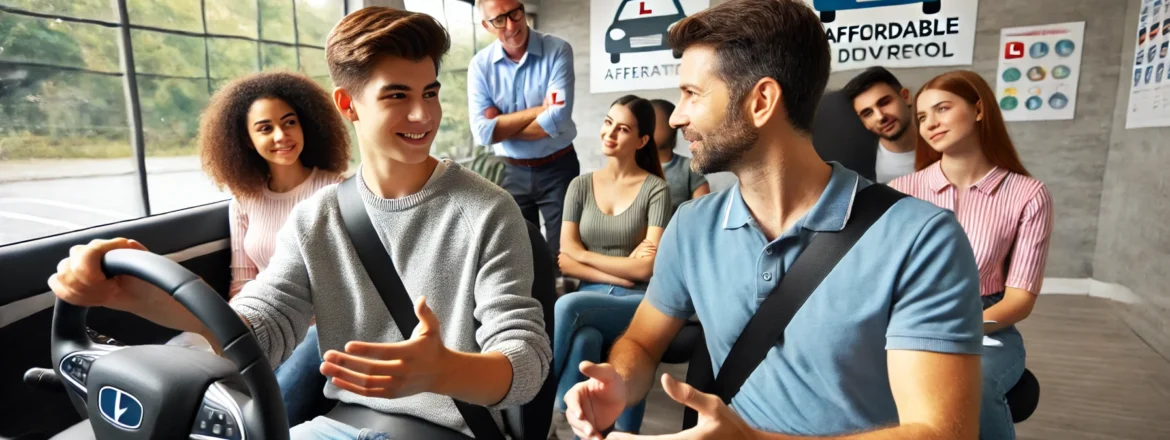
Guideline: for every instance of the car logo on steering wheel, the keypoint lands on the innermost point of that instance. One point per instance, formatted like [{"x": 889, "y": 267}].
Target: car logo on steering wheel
[{"x": 120, "y": 408}]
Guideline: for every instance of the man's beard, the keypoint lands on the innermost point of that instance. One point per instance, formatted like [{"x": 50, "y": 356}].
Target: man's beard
[
  {"x": 897, "y": 134},
  {"x": 723, "y": 150}
]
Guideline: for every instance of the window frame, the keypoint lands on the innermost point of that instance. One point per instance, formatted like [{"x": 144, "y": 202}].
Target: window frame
[{"x": 129, "y": 74}]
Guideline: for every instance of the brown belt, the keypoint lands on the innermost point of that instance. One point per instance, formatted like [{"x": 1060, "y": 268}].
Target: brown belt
[{"x": 540, "y": 161}]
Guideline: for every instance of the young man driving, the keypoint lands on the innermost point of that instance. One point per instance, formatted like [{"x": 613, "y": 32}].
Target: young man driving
[
  {"x": 455, "y": 239},
  {"x": 887, "y": 345},
  {"x": 884, "y": 108}
]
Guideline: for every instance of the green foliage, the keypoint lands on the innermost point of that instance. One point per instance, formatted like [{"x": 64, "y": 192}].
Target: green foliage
[
  {"x": 36, "y": 40},
  {"x": 54, "y": 113},
  {"x": 167, "y": 54},
  {"x": 277, "y": 57},
  {"x": 315, "y": 19},
  {"x": 453, "y": 138},
  {"x": 276, "y": 20},
  {"x": 94, "y": 9},
  {"x": 232, "y": 17},
  {"x": 183, "y": 15}
]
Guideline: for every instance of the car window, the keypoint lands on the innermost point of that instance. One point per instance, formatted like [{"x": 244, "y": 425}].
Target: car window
[
  {"x": 68, "y": 159},
  {"x": 634, "y": 9}
]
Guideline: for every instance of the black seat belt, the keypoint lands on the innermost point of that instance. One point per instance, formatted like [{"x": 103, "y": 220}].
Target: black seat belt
[
  {"x": 765, "y": 329},
  {"x": 382, "y": 273}
]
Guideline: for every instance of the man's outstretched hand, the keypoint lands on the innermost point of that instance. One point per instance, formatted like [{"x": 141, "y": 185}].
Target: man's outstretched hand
[
  {"x": 716, "y": 420},
  {"x": 594, "y": 405},
  {"x": 391, "y": 370}
]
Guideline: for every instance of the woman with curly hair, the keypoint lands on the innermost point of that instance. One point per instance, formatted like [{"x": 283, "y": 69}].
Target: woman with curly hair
[{"x": 273, "y": 139}]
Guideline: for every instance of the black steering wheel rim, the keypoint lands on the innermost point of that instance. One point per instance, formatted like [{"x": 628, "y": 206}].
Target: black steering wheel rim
[{"x": 263, "y": 410}]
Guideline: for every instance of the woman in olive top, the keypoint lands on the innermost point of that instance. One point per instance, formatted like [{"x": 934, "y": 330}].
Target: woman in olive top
[{"x": 613, "y": 219}]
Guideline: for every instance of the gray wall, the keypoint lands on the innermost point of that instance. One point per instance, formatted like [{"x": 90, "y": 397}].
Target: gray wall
[
  {"x": 1133, "y": 237},
  {"x": 1068, "y": 155},
  {"x": 569, "y": 19}
]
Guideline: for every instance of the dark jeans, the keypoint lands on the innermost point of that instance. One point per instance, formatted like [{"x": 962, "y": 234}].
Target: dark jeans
[
  {"x": 587, "y": 324},
  {"x": 301, "y": 383},
  {"x": 541, "y": 191}
]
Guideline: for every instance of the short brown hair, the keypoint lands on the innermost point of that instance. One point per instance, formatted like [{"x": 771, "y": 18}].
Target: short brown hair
[
  {"x": 779, "y": 39},
  {"x": 226, "y": 150},
  {"x": 355, "y": 44}
]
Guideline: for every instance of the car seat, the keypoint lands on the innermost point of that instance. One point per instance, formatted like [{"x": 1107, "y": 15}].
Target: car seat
[{"x": 839, "y": 135}]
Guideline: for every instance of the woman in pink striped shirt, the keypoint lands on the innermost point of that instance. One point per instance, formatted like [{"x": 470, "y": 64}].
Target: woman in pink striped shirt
[
  {"x": 966, "y": 163},
  {"x": 273, "y": 139}
]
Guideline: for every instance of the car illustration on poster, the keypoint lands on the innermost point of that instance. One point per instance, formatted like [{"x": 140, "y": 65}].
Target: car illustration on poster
[
  {"x": 642, "y": 26},
  {"x": 829, "y": 8}
]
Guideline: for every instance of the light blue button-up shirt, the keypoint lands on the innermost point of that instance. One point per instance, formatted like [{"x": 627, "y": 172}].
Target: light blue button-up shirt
[
  {"x": 910, "y": 283},
  {"x": 495, "y": 80}
]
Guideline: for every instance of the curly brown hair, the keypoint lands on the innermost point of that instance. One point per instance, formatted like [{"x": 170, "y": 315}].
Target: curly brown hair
[{"x": 227, "y": 152}]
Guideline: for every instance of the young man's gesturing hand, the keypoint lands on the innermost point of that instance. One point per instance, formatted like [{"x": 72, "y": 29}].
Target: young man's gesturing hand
[{"x": 391, "y": 370}]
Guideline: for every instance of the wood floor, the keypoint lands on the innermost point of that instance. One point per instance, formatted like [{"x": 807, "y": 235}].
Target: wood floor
[{"x": 1098, "y": 379}]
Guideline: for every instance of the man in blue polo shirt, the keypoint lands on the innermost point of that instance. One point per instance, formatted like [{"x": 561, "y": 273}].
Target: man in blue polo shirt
[
  {"x": 520, "y": 98},
  {"x": 886, "y": 347}
]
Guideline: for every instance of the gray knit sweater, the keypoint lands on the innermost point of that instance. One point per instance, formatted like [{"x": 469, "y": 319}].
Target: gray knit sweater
[{"x": 461, "y": 241}]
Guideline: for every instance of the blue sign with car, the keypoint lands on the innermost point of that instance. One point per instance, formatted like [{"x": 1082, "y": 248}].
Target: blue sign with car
[{"x": 829, "y": 8}]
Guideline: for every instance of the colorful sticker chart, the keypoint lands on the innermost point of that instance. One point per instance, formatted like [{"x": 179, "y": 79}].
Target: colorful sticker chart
[{"x": 1039, "y": 68}]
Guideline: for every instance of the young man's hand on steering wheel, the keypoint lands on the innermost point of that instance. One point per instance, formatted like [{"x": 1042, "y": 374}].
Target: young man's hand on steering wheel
[
  {"x": 392, "y": 370},
  {"x": 79, "y": 279}
]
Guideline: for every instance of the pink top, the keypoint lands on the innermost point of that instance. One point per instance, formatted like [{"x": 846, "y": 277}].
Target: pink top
[
  {"x": 1007, "y": 217},
  {"x": 254, "y": 223}
]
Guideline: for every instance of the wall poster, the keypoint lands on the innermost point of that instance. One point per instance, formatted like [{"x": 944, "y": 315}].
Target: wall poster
[
  {"x": 898, "y": 33},
  {"x": 628, "y": 43},
  {"x": 1039, "y": 68},
  {"x": 1149, "y": 95}
]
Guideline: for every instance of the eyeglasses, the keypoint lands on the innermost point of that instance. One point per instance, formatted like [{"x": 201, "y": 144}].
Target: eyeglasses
[{"x": 502, "y": 19}]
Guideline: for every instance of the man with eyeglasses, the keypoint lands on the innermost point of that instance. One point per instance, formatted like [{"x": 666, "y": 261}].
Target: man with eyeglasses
[{"x": 520, "y": 95}]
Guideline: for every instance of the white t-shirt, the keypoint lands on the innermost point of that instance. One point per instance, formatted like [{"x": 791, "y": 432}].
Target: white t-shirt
[{"x": 891, "y": 165}]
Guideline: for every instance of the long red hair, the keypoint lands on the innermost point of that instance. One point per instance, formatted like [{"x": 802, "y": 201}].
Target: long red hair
[{"x": 993, "y": 135}]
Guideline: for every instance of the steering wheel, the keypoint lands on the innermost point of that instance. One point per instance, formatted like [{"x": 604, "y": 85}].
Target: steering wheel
[{"x": 167, "y": 392}]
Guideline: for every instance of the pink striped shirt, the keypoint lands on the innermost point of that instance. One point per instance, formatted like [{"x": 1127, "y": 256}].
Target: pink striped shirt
[
  {"x": 1007, "y": 217},
  {"x": 255, "y": 221}
]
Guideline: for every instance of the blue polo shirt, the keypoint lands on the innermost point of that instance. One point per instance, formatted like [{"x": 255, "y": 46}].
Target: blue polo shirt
[
  {"x": 910, "y": 283},
  {"x": 494, "y": 80}
]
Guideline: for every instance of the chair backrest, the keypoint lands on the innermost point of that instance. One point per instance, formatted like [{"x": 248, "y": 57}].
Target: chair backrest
[
  {"x": 532, "y": 420},
  {"x": 839, "y": 135},
  {"x": 682, "y": 347},
  {"x": 488, "y": 165}
]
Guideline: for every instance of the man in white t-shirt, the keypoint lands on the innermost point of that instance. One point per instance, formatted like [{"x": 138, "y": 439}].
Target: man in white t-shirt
[{"x": 883, "y": 106}]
